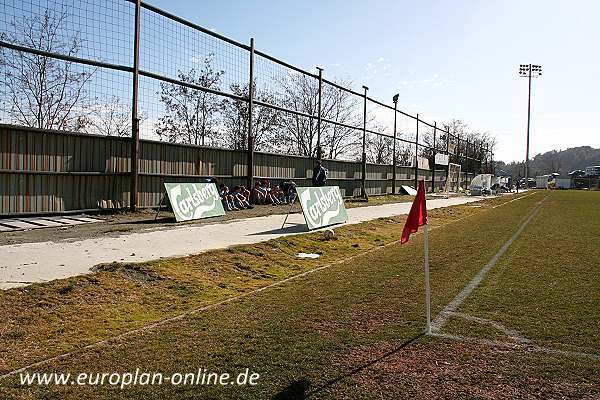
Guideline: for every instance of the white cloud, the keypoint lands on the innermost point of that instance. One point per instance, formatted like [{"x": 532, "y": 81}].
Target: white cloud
[{"x": 434, "y": 80}]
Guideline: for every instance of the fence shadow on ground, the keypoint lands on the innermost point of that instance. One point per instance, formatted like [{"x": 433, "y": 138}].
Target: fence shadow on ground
[
  {"x": 298, "y": 390},
  {"x": 289, "y": 228}
]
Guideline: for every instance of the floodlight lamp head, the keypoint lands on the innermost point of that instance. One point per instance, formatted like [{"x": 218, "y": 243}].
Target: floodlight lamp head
[{"x": 395, "y": 98}]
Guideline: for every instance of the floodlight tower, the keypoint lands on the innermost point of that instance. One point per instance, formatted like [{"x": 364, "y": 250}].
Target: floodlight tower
[
  {"x": 529, "y": 71},
  {"x": 395, "y": 100}
]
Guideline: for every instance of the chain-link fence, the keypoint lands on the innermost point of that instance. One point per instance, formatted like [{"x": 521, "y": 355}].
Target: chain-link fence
[{"x": 71, "y": 66}]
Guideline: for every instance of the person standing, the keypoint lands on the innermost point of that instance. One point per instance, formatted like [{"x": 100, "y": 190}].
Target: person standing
[{"x": 319, "y": 177}]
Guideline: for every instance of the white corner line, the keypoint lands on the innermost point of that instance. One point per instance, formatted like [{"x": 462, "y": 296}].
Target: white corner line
[{"x": 439, "y": 322}]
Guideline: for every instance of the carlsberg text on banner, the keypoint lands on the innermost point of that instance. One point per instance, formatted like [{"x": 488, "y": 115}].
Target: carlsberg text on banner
[
  {"x": 194, "y": 200},
  {"x": 322, "y": 206}
]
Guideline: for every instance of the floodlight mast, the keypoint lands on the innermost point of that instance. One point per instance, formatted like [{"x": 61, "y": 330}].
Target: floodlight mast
[
  {"x": 529, "y": 71},
  {"x": 395, "y": 100}
]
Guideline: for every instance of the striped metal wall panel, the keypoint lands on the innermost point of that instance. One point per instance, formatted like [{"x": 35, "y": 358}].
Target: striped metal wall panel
[{"x": 45, "y": 171}]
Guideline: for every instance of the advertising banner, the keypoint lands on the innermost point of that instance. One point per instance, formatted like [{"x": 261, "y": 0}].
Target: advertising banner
[
  {"x": 451, "y": 148},
  {"x": 421, "y": 162},
  {"x": 441, "y": 159},
  {"x": 194, "y": 200},
  {"x": 322, "y": 206}
]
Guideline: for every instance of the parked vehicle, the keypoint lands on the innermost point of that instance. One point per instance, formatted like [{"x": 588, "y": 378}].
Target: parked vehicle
[{"x": 593, "y": 170}]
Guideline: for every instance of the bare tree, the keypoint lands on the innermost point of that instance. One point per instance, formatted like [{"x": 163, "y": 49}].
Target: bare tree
[
  {"x": 265, "y": 121},
  {"x": 299, "y": 134},
  {"x": 43, "y": 92},
  {"x": 404, "y": 153},
  {"x": 433, "y": 143},
  {"x": 190, "y": 113},
  {"x": 110, "y": 118},
  {"x": 380, "y": 149},
  {"x": 478, "y": 143},
  {"x": 342, "y": 107}
]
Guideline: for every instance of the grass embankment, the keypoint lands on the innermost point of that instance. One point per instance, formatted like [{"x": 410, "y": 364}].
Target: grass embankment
[{"x": 319, "y": 334}]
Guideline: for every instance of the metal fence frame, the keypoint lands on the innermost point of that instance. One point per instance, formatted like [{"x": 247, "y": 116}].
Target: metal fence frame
[
  {"x": 136, "y": 72},
  {"x": 45, "y": 171}
]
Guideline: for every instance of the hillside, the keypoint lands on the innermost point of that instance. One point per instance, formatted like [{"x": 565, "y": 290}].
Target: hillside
[{"x": 563, "y": 161}]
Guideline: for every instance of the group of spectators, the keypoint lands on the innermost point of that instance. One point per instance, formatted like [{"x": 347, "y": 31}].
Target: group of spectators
[
  {"x": 241, "y": 198},
  {"x": 236, "y": 199}
]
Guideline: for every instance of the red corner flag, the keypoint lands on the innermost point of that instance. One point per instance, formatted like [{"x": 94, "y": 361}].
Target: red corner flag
[{"x": 417, "y": 216}]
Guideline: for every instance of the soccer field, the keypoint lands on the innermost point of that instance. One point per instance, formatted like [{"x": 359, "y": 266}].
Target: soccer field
[{"x": 527, "y": 327}]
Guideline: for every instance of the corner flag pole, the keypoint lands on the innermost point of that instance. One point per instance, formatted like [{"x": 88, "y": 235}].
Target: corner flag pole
[
  {"x": 418, "y": 217},
  {"x": 427, "y": 289}
]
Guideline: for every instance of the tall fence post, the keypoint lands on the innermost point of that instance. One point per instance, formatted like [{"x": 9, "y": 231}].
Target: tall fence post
[
  {"x": 417, "y": 155},
  {"x": 487, "y": 160},
  {"x": 434, "y": 153},
  {"x": 467, "y": 162},
  {"x": 250, "y": 171},
  {"x": 135, "y": 122},
  {"x": 319, "y": 115},
  {"x": 363, "y": 190},
  {"x": 448, "y": 154},
  {"x": 394, "y": 146},
  {"x": 479, "y": 156},
  {"x": 457, "y": 151}
]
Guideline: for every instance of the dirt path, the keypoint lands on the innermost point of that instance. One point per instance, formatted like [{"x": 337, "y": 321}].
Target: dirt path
[{"x": 25, "y": 263}]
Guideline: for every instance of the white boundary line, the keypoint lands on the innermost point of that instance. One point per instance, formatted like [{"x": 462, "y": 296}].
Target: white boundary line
[
  {"x": 511, "y": 333},
  {"x": 515, "y": 199},
  {"x": 519, "y": 346},
  {"x": 440, "y": 320}
]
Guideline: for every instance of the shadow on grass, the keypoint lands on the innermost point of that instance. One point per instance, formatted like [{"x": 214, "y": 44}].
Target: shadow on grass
[
  {"x": 292, "y": 228},
  {"x": 150, "y": 221},
  {"x": 295, "y": 390},
  {"x": 298, "y": 389}
]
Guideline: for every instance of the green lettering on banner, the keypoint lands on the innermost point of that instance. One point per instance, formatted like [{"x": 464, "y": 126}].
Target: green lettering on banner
[
  {"x": 194, "y": 200},
  {"x": 322, "y": 206}
]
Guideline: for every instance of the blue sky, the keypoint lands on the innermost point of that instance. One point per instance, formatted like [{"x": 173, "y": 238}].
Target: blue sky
[{"x": 447, "y": 59}]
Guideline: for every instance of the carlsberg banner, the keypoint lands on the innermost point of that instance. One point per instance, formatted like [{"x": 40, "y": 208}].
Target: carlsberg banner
[
  {"x": 322, "y": 206},
  {"x": 194, "y": 200}
]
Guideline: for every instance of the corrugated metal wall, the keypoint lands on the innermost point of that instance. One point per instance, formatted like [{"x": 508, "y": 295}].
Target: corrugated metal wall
[{"x": 52, "y": 171}]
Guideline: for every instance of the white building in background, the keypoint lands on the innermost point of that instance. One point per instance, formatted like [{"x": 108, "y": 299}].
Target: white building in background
[{"x": 541, "y": 181}]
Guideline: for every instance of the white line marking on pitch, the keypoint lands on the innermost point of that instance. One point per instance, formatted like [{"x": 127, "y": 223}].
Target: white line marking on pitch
[
  {"x": 511, "y": 333},
  {"x": 519, "y": 346},
  {"x": 515, "y": 199},
  {"x": 440, "y": 320}
]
